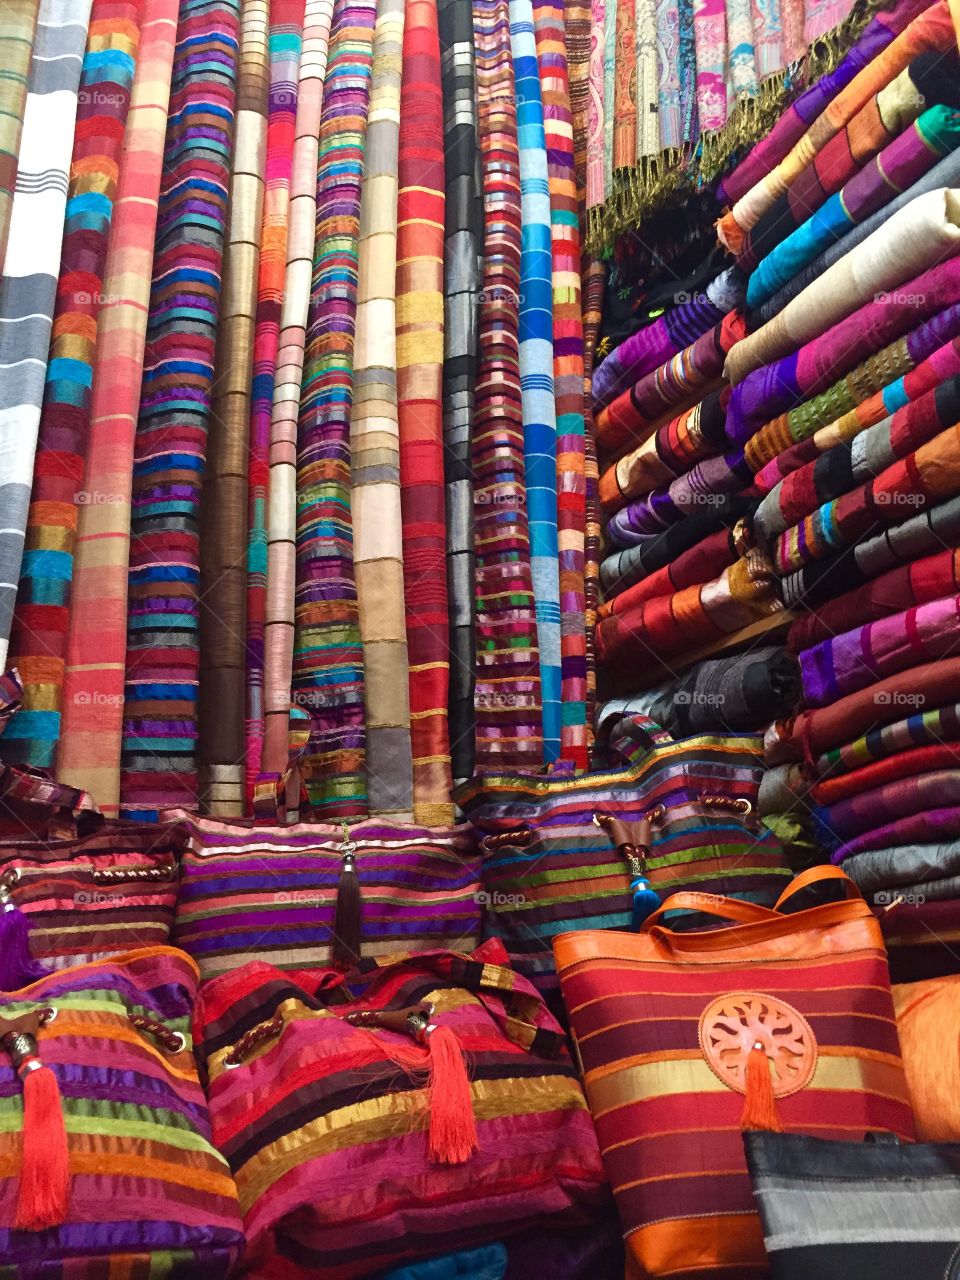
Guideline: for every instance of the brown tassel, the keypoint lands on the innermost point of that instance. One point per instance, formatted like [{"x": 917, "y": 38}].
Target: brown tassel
[
  {"x": 346, "y": 923},
  {"x": 759, "y": 1106},
  {"x": 43, "y": 1194}
]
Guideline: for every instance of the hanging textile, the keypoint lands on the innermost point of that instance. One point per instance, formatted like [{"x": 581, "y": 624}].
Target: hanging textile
[
  {"x": 536, "y": 367},
  {"x": 328, "y": 657},
  {"x": 38, "y": 639},
  {"x": 159, "y": 761},
  {"x": 282, "y": 487},
  {"x": 375, "y": 441},
  {"x": 568, "y": 378},
  {"x": 596, "y": 176},
  {"x": 16, "y": 46},
  {"x": 576, "y": 19},
  {"x": 223, "y": 507},
  {"x": 593, "y": 273},
  {"x": 29, "y": 284},
  {"x": 625, "y": 86},
  {"x": 420, "y": 336},
  {"x": 710, "y": 34},
  {"x": 462, "y": 232},
  {"x": 92, "y": 725},
  {"x": 509, "y": 729},
  {"x": 286, "y": 39}
]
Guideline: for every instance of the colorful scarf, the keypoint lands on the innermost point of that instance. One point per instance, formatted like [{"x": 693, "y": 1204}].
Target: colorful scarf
[
  {"x": 375, "y": 441},
  {"x": 536, "y": 368},
  {"x": 596, "y": 168},
  {"x": 917, "y": 238},
  {"x": 624, "y": 568},
  {"x": 710, "y": 34},
  {"x": 609, "y": 81},
  {"x": 896, "y": 168},
  {"x": 507, "y": 700},
  {"x": 852, "y": 826},
  {"x": 712, "y": 483},
  {"x": 420, "y": 338},
  {"x": 930, "y": 825},
  {"x": 699, "y": 564},
  {"x": 931, "y": 30},
  {"x": 920, "y": 581},
  {"x": 669, "y": 110},
  {"x": 39, "y": 634},
  {"x": 16, "y": 46},
  {"x": 223, "y": 508},
  {"x": 159, "y": 763},
  {"x": 462, "y": 234},
  {"x": 576, "y": 22},
  {"x": 675, "y": 385},
  {"x": 593, "y": 276},
  {"x": 568, "y": 373},
  {"x": 28, "y": 287},
  {"x": 89, "y": 753},
  {"x": 286, "y": 38},
  {"x": 648, "y": 81},
  {"x": 908, "y": 763},
  {"x": 895, "y": 743},
  {"x": 278, "y": 634},
  {"x": 625, "y": 87},
  {"x": 741, "y": 75},
  {"x": 328, "y": 656}
]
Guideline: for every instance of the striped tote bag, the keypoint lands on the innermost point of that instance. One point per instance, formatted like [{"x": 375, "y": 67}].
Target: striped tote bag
[{"x": 781, "y": 1019}]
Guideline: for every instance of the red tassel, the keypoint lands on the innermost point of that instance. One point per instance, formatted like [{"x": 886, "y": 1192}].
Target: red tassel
[
  {"x": 760, "y": 1106},
  {"x": 453, "y": 1126},
  {"x": 45, "y": 1171}
]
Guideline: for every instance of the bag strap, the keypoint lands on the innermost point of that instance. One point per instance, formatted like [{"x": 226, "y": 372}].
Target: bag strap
[
  {"x": 743, "y": 912},
  {"x": 815, "y": 876},
  {"x": 275, "y": 795},
  {"x": 66, "y": 807}
]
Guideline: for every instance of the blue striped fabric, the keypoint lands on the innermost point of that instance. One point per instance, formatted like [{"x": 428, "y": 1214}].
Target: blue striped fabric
[{"x": 536, "y": 366}]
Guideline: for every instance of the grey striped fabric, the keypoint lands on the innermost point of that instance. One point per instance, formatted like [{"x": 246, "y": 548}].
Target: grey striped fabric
[
  {"x": 906, "y": 869},
  {"x": 462, "y": 240},
  {"x": 29, "y": 285}
]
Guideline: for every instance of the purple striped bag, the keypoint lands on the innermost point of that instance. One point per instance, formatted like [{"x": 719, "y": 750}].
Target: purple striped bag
[{"x": 312, "y": 894}]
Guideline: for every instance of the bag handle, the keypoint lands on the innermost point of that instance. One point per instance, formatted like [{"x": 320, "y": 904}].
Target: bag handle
[
  {"x": 276, "y": 794},
  {"x": 66, "y": 807},
  {"x": 818, "y": 875}
]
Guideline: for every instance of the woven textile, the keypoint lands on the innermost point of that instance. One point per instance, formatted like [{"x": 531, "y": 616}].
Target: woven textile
[
  {"x": 462, "y": 243},
  {"x": 577, "y": 28},
  {"x": 285, "y": 40},
  {"x": 568, "y": 375},
  {"x": 420, "y": 349},
  {"x": 914, "y": 871},
  {"x": 596, "y": 168},
  {"x": 905, "y": 764},
  {"x": 712, "y": 483},
  {"x": 89, "y": 752},
  {"x": 700, "y": 563},
  {"x": 710, "y": 32},
  {"x": 593, "y": 274},
  {"x": 507, "y": 700},
  {"x": 29, "y": 284},
  {"x": 895, "y": 740},
  {"x": 375, "y": 441},
  {"x": 39, "y": 635},
  {"x": 858, "y": 824},
  {"x": 223, "y": 511},
  {"x": 536, "y": 367},
  {"x": 159, "y": 762},
  {"x": 624, "y": 568},
  {"x": 328, "y": 657},
  {"x": 282, "y": 484},
  {"x": 16, "y": 46}
]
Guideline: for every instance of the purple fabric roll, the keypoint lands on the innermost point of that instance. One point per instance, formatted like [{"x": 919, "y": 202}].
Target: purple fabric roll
[{"x": 918, "y": 828}]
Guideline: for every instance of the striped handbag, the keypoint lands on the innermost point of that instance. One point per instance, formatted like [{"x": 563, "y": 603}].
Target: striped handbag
[
  {"x": 310, "y": 894},
  {"x": 394, "y": 1111},
  {"x": 686, "y": 1039},
  {"x": 106, "y": 1165},
  {"x": 584, "y": 852}
]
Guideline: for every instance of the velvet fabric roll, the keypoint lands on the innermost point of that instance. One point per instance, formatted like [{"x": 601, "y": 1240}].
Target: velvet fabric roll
[
  {"x": 624, "y": 568},
  {"x": 816, "y": 367},
  {"x": 905, "y": 764},
  {"x": 666, "y": 336},
  {"x": 695, "y": 434},
  {"x": 159, "y": 767},
  {"x": 509, "y": 728},
  {"x": 39, "y": 633},
  {"x": 920, "y": 581},
  {"x": 635, "y": 415},
  {"x": 700, "y": 563},
  {"x": 847, "y": 465},
  {"x": 722, "y": 695},
  {"x": 462, "y": 241},
  {"x": 915, "y": 239},
  {"x": 942, "y": 365},
  {"x": 88, "y": 756},
  {"x": 223, "y": 506},
  {"x": 929, "y": 826},
  {"x": 814, "y": 733},
  {"x": 844, "y": 823}
]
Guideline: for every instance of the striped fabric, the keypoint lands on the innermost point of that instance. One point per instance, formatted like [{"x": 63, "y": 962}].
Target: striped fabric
[
  {"x": 462, "y": 242},
  {"x": 567, "y": 373},
  {"x": 148, "y": 1192},
  {"x": 418, "y": 890},
  {"x": 29, "y": 284},
  {"x": 509, "y": 729},
  {"x": 89, "y": 752},
  {"x": 159, "y": 761},
  {"x": 593, "y": 275},
  {"x": 375, "y": 441},
  {"x": 223, "y": 507},
  {"x": 281, "y": 517},
  {"x": 328, "y": 657},
  {"x": 16, "y": 46},
  {"x": 576, "y": 18},
  {"x": 39, "y": 637},
  {"x": 286, "y": 38},
  {"x": 420, "y": 341},
  {"x": 536, "y": 367},
  {"x": 657, "y": 1026}
]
